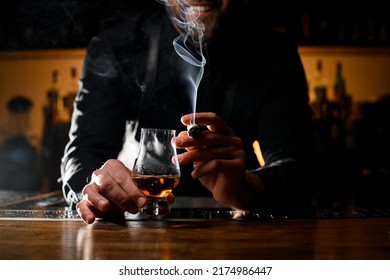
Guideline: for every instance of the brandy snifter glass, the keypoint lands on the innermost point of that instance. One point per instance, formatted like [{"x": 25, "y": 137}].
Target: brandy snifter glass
[{"x": 156, "y": 171}]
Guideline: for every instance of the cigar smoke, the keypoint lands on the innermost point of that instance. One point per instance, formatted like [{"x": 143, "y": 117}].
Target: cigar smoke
[{"x": 189, "y": 45}]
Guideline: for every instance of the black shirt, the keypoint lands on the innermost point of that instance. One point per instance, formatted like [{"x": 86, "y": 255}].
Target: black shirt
[{"x": 259, "y": 89}]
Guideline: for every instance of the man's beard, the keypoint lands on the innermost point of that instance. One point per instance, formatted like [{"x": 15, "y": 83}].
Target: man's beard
[{"x": 211, "y": 24}]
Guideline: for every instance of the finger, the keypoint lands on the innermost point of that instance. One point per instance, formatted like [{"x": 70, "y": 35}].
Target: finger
[
  {"x": 109, "y": 192},
  {"x": 99, "y": 205},
  {"x": 89, "y": 213},
  {"x": 92, "y": 195},
  {"x": 84, "y": 210},
  {"x": 232, "y": 149},
  {"x": 170, "y": 198},
  {"x": 207, "y": 154},
  {"x": 208, "y": 138},
  {"x": 114, "y": 181},
  {"x": 209, "y": 119},
  {"x": 126, "y": 199},
  {"x": 204, "y": 168}
]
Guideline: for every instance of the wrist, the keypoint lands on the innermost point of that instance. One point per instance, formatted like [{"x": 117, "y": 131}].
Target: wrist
[{"x": 254, "y": 189}]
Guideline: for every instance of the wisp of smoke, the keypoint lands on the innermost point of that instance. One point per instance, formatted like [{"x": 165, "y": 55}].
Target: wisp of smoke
[{"x": 189, "y": 45}]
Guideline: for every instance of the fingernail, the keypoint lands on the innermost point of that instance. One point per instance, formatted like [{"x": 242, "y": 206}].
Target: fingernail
[
  {"x": 89, "y": 219},
  {"x": 141, "y": 201},
  {"x": 179, "y": 158}
]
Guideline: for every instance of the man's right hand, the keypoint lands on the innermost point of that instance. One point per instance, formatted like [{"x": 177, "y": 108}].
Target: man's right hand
[{"x": 110, "y": 193}]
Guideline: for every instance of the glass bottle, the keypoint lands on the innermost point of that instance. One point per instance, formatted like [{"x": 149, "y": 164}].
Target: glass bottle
[
  {"x": 68, "y": 99},
  {"x": 320, "y": 88},
  {"x": 51, "y": 108},
  {"x": 339, "y": 83},
  {"x": 49, "y": 136}
]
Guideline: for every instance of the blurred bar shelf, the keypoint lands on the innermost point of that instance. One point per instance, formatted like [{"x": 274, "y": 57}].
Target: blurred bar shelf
[{"x": 336, "y": 50}]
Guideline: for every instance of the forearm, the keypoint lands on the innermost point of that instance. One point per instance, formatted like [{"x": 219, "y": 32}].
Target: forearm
[{"x": 283, "y": 184}]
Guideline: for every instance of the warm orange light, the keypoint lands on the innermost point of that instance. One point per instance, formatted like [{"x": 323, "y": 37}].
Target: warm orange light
[{"x": 258, "y": 153}]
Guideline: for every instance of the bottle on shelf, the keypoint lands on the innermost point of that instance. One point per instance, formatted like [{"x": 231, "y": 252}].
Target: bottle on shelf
[
  {"x": 342, "y": 100},
  {"x": 49, "y": 139},
  {"x": 341, "y": 106},
  {"x": 320, "y": 90},
  {"x": 306, "y": 27},
  {"x": 68, "y": 99},
  {"x": 51, "y": 107},
  {"x": 339, "y": 88}
]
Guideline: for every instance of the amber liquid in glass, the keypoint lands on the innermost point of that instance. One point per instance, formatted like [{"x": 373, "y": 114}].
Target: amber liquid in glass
[{"x": 156, "y": 187}]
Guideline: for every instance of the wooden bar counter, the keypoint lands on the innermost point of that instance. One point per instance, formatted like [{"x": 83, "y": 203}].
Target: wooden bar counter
[{"x": 52, "y": 232}]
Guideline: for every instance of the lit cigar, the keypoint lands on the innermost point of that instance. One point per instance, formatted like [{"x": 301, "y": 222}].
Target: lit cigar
[{"x": 194, "y": 130}]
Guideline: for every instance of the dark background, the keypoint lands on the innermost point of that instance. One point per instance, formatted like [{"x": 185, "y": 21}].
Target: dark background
[
  {"x": 362, "y": 171},
  {"x": 47, "y": 24}
]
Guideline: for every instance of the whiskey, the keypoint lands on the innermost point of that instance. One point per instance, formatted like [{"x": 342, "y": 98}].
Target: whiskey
[{"x": 156, "y": 186}]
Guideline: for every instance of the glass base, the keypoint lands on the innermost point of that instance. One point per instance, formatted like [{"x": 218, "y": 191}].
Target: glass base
[{"x": 156, "y": 208}]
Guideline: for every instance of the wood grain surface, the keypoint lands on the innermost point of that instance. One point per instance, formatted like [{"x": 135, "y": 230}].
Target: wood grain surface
[{"x": 199, "y": 239}]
